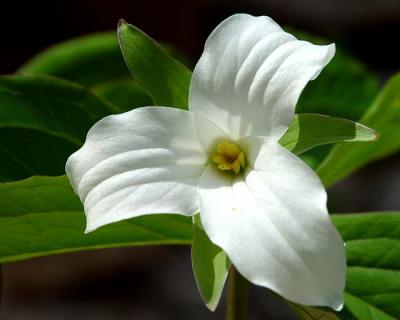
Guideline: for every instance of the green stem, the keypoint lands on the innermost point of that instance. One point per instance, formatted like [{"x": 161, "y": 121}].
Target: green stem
[{"x": 237, "y": 307}]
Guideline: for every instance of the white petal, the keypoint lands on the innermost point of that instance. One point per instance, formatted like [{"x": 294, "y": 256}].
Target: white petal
[
  {"x": 209, "y": 133},
  {"x": 251, "y": 74},
  {"x": 274, "y": 226},
  {"x": 140, "y": 162}
]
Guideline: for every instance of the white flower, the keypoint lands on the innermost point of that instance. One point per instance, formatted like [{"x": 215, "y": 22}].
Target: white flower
[{"x": 257, "y": 201}]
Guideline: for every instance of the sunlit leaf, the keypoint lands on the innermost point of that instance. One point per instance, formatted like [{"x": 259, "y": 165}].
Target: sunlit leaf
[
  {"x": 36, "y": 211},
  {"x": 210, "y": 266},
  {"x": 308, "y": 130},
  {"x": 42, "y": 216},
  {"x": 165, "y": 79},
  {"x": 373, "y": 258}
]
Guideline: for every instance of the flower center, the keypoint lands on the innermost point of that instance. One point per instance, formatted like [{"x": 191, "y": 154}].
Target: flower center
[{"x": 229, "y": 157}]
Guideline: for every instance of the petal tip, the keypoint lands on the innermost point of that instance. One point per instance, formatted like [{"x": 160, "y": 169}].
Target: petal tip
[
  {"x": 331, "y": 51},
  {"x": 338, "y": 307},
  {"x": 90, "y": 228},
  {"x": 122, "y": 23},
  {"x": 337, "y": 303},
  {"x": 92, "y": 223}
]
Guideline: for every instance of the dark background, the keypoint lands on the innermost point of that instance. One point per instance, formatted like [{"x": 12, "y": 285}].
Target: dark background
[
  {"x": 370, "y": 29},
  {"x": 152, "y": 282}
]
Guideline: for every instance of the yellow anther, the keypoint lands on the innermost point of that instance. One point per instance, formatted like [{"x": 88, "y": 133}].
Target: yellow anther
[{"x": 229, "y": 157}]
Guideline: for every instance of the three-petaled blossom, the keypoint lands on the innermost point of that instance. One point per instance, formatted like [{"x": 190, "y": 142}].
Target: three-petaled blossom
[{"x": 257, "y": 201}]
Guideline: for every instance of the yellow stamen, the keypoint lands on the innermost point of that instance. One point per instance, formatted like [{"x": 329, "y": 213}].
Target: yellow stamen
[{"x": 229, "y": 157}]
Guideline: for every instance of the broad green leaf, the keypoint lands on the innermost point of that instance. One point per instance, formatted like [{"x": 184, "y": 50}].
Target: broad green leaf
[
  {"x": 124, "y": 94},
  {"x": 42, "y": 215},
  {"x": 311, "y": 313},
  {"x": 384, "y": 117},
  {"x": 165, "y": 79},
  {"x": 309, "y": 130},
  {"x": 42, "y": 121},
  {"x": 87, "y": 60},
  {"x": 373, "y": 258},
  {"x": 210, "y": 265},
  {"x": 364, "y": 311},
  {"x": 95, "y": 61}
]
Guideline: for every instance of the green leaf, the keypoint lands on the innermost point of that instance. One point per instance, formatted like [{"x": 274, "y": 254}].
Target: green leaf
[
  {"x": 95, "y": 61},
  {"x": 165, "y": 79},
  {"x": 42, "y": 121},
  {"x": 384, "y": 117},
  {"x": 42, "y": 216},
  {"x": 210, "y": 265},
  {"x": 315, "y": 156},
  {"x": 309, "y": 130},
  {"x": 87, "y": 60},
  {"x": 124, "y": 94},
  {"x": 312, "y": 313},
  {"x": 364, "y": 311},
  {"x": 373, "y": 258}
]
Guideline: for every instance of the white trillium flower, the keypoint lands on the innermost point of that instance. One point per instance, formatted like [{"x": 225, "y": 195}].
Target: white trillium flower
[{"x": 257, "y": 201}]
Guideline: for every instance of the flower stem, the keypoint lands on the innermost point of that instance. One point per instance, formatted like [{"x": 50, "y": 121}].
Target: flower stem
[{"x": 237, "y": 307}]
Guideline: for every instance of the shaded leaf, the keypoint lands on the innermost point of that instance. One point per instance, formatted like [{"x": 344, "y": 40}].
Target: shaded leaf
[
  {"x": 312, "y": 313},
  {"x": 87, "y": 60},
  {"x": 384, "y": 117},
  {"x": 124, "y": 94},
  {"x": 345, "y": 88},
  {"x": 42, "y": 121}
]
